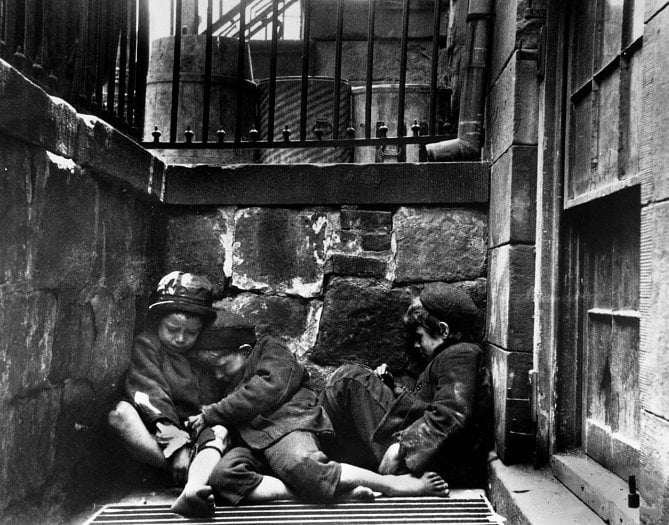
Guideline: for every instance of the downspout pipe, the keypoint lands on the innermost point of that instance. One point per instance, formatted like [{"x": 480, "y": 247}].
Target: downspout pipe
[{"x": 467, "y": 145}]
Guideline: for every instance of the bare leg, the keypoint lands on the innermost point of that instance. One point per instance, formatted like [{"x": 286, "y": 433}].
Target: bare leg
[
  {"x": 270, "y": 488},
  {"x": 197, "y": 498},
  {"x": 129, "y": 427},
  {"x": 429, "y": 484}
]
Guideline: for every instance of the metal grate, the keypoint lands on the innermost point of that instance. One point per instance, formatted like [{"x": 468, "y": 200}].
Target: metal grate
[{"x": 475, "y": 511}]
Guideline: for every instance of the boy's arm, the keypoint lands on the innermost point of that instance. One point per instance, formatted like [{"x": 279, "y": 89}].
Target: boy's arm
[
  {"x": 146, "y": 385},
  {"x": 275, "y": 377},
  {"x": 448, "y": 413}
]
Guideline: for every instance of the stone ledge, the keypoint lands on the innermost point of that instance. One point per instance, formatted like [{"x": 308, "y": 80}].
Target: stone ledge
[
  {"x": 528, "y": 496},
  {"x": 328, "y": 184},
  {"x": 32, "y": 116},
  {"x": 599, "y": 488}
]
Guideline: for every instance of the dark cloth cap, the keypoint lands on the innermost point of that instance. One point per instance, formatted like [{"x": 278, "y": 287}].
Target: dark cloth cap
[
  {"x": 448, "y": 303},
  {"x": 184, "y": 292},
  {"x": 228, "y": 332}
]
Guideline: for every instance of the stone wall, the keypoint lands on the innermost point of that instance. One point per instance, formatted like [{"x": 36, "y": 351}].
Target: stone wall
[
  {"x": 332, "y": 282},
  {"x": 75, "y": 253}
]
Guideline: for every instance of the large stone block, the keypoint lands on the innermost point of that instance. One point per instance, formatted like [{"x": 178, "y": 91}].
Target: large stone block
[
  {"x": 92, "y": 336},
  {"x": 514, "y": 435},
  {"x": 291, "y": 320},
  {"x": 654, "y": 305},
  {"x": 98, "y": 148},
  {"x": 201, "y": 242},
  {"x": 27, "y": 444},
  {"x": 32, "y": 116},
  {"x": 654, "y": 157},
  {"x": 16, "y": 174},
  {"x": 280, "y": 250},
  {"x": 367, "y": 220},
  {"x": 357, "y": 266},
  {"x": 362, "y": 321},
  {"x": 27, "y": 322},
  {"x": 63, "y": 224},
  {"x": 511, "y": 297},
  {"x": 440, "y": 244},
  {"x": 517, "y": 25},
  {"x": 513, "y": 196},
  {"x": 513, "y": 108}
]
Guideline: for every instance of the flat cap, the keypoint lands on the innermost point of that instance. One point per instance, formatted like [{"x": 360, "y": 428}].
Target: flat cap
[
  {"x": 228, "y": 331},
  {"x": 448, "y": 303}
]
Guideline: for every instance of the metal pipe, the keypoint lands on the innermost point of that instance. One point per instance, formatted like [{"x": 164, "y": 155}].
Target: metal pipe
[
  {"x": 403, "y": 68},
  {"x": 305, "y": 69},
  {"x": 337, "y": 74},
  {"x": 206, "y": 95},
  {"x": 371, "y": 19},
  {"x": 467, "y": 145},
  {"x": 176, "y": 66}
]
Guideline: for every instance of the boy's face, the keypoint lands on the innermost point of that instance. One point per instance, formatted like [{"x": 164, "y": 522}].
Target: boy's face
[
  {"x": 179, "y": 331},
  {"x": 227, "y": 366},
  {"x": 426, "y": 343}
]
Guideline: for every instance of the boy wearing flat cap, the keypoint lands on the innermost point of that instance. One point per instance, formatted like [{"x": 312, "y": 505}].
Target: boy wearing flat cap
[
  {"x": 443, "y": 425},
  {"x": 163, "y": 385}
]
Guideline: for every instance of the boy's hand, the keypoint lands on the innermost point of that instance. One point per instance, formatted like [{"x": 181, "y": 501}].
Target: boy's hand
[
  {"x": 196, "y": 423},
  {"x": 180, "y": 463}
]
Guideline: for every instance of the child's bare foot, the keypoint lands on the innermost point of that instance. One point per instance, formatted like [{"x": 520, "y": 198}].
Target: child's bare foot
[
  {"x": 429, "y": 484},
  {"x": 195, "y": 502},
  {"x": 357, "y": 494}
]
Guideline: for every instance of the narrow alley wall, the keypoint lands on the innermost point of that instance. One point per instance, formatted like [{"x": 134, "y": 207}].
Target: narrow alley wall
[
  {"x": 76, "y": 247},
  {"x": 332, "y": 282}
]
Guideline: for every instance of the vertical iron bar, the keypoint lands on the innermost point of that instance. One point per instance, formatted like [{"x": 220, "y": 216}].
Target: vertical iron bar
[
  {"x": 112, "y": 49},
  {"x": 241, "y": 62},
  {"x": 132, "y": 66},
  {"x": 175, "y": 74},
  {"x": 171, "y": 17},
  {"x": 206, "y": 96},
  {"x": 371, "y": 19},
  {"x": 403, "y": 68},
  {"x": 123, "y": 61},
  {"x": 38, "y": 22},
  {"x": 433, "y": 77},
  {"x": 272, "y": 71},
  {"x": 3, "y": 27},
  {"x": 98, "y": 54},
  {"x": 306, "y": 33},
  {"x": 142, "y": 62},
  {"x": 337, "y": 75}
]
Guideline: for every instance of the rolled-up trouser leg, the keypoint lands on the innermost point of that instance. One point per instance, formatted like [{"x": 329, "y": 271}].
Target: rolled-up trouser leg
[
  {"x": 356, "y": 400},
  {"x": 235, "y": 475},
  {"x": 296, "y": 459}
]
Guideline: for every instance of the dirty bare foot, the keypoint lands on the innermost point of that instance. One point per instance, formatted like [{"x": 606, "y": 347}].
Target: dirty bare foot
[
  {"x": 429, "y": 484},
  {"x": 195, "y": 502},
  {"x": 357, "y": 494}
]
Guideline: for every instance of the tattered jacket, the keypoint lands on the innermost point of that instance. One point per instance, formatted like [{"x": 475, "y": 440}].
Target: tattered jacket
[
  {"x": 176, "y": 387},
  {"x": 274, "y": 397},
  {"x": 440, "y": 424}
]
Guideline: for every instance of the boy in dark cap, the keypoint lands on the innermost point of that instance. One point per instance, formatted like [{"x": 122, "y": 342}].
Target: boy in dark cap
[
  {"x": 443, "y": 424},
  {"x": 163, "y": 385}
]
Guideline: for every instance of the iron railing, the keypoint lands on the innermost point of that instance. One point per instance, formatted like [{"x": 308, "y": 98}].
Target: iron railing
[
  {"x": 92, "y": 53},
  {"x": 200, "y": 132}
]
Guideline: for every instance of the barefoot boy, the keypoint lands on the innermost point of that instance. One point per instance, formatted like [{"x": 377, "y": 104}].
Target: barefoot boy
[
  {"x": 163, "y": 387},
  {"x": 443, "y": 424},
  {"x": 275, "y": 422}
]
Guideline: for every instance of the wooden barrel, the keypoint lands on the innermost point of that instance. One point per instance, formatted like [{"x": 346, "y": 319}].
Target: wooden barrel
[
  {"x": 385, "y": 99},
  {"x": 223, "y": 94},
  {"x": 320, "y": 110}
]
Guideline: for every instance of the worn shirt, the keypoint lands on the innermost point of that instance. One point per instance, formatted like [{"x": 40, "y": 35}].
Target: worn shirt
[
  {"x": 273, "y": 397},
  {"x": 170, "y": 386},
  {"x": 435, "y": 423}
]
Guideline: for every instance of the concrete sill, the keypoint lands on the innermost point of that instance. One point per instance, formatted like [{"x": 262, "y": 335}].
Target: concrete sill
[
  {"x": 528, "y": 496},
  {"x": 597, "y": 487}
]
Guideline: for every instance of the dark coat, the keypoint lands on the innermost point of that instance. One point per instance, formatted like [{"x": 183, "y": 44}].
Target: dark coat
[
  {"x": 274, "y": 397},
  {"x": 175, "y": 386},
  {"x": 440, "y": 425}
]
